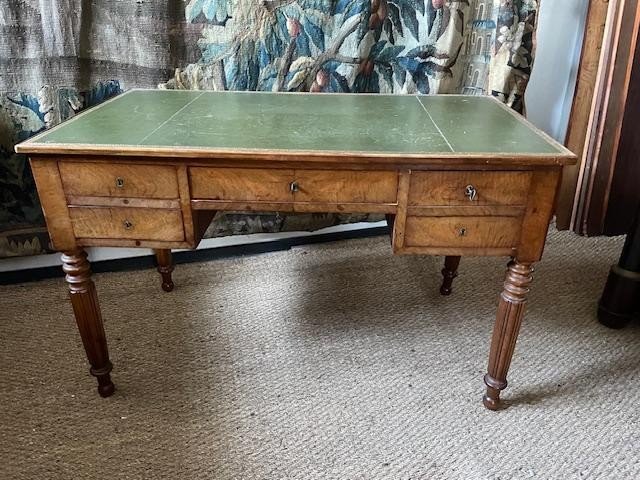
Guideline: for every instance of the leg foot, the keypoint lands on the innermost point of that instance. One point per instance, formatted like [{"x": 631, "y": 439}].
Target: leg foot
[
  {"x": 449, "y": 272},
  {"x": 505, "y": 333},
  {"x": 165, "y": 267},
  {"x": 84, "y": 300},
  {"x": 105, "y": 385},
  {"x": 619, "y": 299}
]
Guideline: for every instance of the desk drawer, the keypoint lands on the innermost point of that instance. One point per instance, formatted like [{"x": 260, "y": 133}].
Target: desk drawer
[
  {"x": 127, "y": 223},
  {"x": 241, "y": 184},
  {"x": 462, "y": 232},
  {"x": 293, "y": 186},
  {"x": 469, "y": 188},
  {"x": 119, "y": 180},
  {"x": 346, "y": 186}
]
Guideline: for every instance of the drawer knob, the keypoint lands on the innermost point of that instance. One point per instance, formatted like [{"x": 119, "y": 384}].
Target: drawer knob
[
  {"x": 119, "y": 182},
  {"x": 471, "y": 192},
  {"x": 128, "y": 225},
  {"x": 294, "y": 187},
  {"x": 461, "y": 231}
]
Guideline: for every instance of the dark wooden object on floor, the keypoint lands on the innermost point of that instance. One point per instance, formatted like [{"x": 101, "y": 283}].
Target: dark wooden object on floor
[
  {"x": 621, "y": 297},
  {"x": 165, "y": 267},
  {"x": 449, "y": 272},
  {"x": 84, "y": 300}
]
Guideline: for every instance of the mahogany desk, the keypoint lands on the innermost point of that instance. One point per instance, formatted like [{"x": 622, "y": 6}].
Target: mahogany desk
[{"x": 455, "y": 175}]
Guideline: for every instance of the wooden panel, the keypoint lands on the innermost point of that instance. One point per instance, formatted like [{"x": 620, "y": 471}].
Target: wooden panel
[
  {"x": 400, "y": 219},
  {"x": 592, "y": 211},
  {"x": 127, "y": 223},
  {"x": 119, "y": 180},
  {"x": 54, "y": 204},
  {"x": 182, "y": 173},
  {"x": 581, "y": 111},
  {"x": 225, "y": 205},
  {"x": 341, "y": 186},
  {"x": 449, "y": 188},
  {"x": 462, "y": 232},
  {"x": 80, "y": 201},
  {"x": 241, "y": 184},
  {"x": 540, "y": 206},
  {"x": 624, "y": 198},
  {"x": 457, "y": 251},
  {"x": 323, "y": 207},
  {"x": 464, "y": 211},
  {"x": 128, "y": 243}
]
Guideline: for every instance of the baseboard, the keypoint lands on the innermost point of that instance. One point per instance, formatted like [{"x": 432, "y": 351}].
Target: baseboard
[{"x": 189, "y": 256}]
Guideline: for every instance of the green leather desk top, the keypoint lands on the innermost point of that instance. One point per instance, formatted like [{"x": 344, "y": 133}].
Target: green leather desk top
[{"x": 361, "y": 124}]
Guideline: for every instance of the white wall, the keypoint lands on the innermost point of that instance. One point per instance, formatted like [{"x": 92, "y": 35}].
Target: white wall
[{"x": 550, "y": 92}]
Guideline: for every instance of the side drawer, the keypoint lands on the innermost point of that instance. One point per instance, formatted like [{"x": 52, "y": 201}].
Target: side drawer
[
  {"x": 241, "y": 184},
  {"x": 469, "y": 188},
  {"x": 127, "y": 223},
  {"x": 462, "y": 232},
  {"x": 346, "y": 186},
  {"x": 119, "y": 180}
]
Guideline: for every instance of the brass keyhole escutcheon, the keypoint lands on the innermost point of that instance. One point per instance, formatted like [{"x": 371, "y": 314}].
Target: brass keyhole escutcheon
[
  {"x": 119, "y": 182},
  {"x": 471, "y": 192},
  {"x": 294, "y": 187},
  {"x": 128, "y": 225},
  {"x": 462, "y": 232}
]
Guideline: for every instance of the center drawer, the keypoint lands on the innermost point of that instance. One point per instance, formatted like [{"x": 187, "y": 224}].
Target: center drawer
[
  {"x": 293, "y": 186},
  {"x": 346, "y": 186},
  {"x": 127, "y": 223},
  {"x": 241, "y": 184},
  {"x": 119, "y": 180}
]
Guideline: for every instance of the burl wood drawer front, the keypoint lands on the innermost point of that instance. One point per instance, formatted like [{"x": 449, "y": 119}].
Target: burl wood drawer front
[
  {"x": 119, "y": 180},
  {"x": 241, "y": 184},
  {"x": 127, "y": 223},
  {"x": 468, "y": 188},
  {"x": 346, "y": 186},
  {"x": 462, "y": 232}
]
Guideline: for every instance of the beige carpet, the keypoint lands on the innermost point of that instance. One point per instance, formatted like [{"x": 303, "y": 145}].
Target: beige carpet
[{"x": 334, "y": 361}]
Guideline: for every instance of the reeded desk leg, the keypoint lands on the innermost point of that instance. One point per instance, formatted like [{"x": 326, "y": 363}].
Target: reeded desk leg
[
  {"x": 84, "y": 300},
  {"x": 506, "y": 329},
  {"x": 165, "y": 267},
  {"x": 449, "y": 272}
]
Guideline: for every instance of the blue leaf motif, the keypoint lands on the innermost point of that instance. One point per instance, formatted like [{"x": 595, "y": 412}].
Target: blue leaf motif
[
  {"x": 389, "y": 54},
  {"x": 315, "y": 33},
  {"x": 302, "y": 45},
  {"x": 339, "y": 83},
  {"x": 341, "y": 6},
  {"x": 377, "y": 49},
  {"x": 194, "y": 9}
]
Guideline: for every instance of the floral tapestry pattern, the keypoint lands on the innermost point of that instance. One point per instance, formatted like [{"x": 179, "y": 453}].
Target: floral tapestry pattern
[{"x": 89, "y": 52}]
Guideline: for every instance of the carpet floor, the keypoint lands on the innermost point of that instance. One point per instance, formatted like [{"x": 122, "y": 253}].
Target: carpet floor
[{"x": 330, "y": 361}]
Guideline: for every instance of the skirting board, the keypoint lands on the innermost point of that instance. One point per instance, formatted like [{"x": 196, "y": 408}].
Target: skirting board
[{"x": 25, "y": 269}]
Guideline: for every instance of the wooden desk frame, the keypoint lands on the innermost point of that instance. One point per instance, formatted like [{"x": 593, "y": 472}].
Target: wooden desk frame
[{"x": 90, "y": 193}]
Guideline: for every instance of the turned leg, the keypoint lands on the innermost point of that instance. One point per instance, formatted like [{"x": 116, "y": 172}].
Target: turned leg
[
  {"x": 505, "y": 331},
  {"x": 449, "y": 272},
  {"x": 84, "y": 300},
  {"x": 165, "y": 267}
]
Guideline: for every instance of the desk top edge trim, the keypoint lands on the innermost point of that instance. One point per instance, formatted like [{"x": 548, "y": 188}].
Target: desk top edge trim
[{"x": 289, "y": 155}]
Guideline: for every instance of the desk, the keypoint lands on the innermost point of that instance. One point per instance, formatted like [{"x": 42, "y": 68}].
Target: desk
[{"x": 455, "y": 175}]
